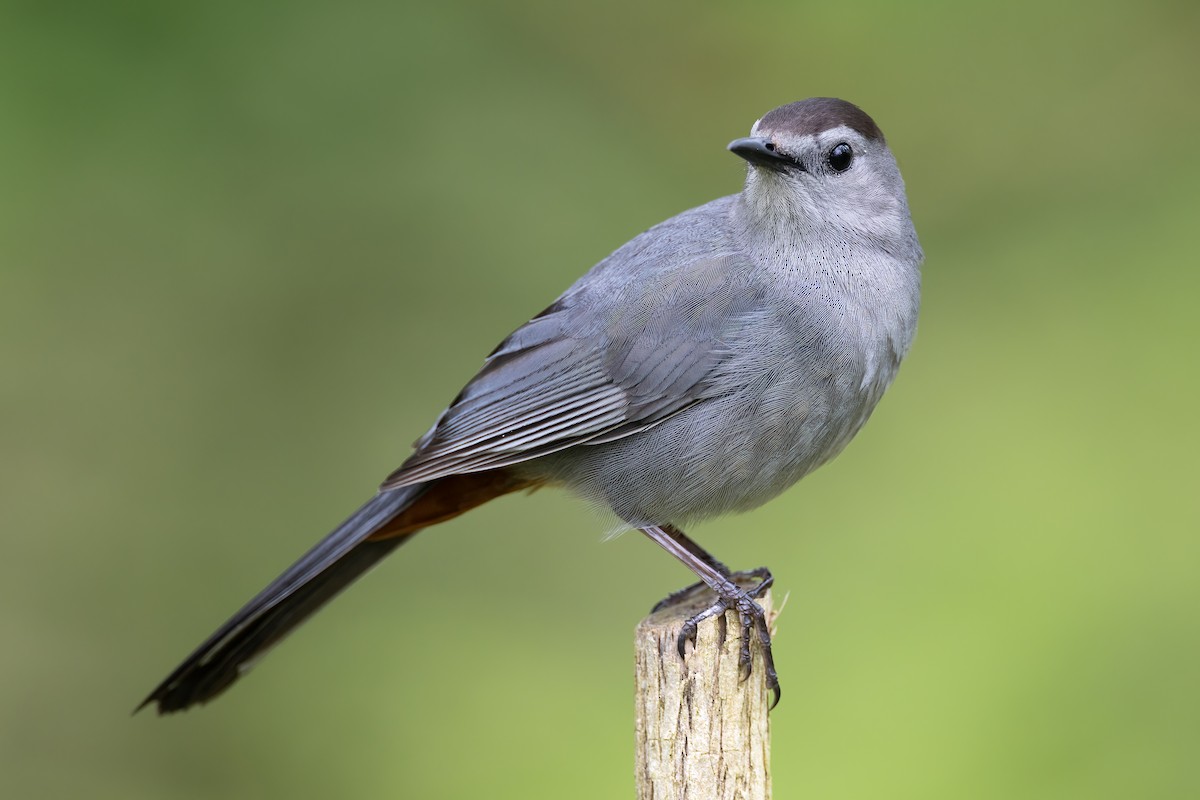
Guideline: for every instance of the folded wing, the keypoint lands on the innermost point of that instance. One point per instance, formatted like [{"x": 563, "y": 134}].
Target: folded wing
[{"x": 593, "y": 367}]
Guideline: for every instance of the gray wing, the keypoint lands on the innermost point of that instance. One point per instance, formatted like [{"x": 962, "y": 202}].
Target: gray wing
[{"x": 605, "y": 361}]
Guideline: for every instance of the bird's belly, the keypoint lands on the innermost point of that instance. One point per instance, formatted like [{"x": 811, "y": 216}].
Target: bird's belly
[{"x": 725, "y": 454}]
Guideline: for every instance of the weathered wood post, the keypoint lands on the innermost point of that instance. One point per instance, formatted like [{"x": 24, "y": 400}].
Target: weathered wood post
[{"x": 701, "y": 733}]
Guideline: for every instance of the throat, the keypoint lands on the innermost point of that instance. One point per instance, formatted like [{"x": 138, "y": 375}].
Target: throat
[{"x": 868, "y": 291}]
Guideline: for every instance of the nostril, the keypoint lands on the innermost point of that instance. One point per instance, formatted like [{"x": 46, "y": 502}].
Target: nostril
[{"x": 770, "y": 146}]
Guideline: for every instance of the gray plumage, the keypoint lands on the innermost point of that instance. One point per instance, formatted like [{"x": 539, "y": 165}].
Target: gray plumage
[
  {"x": 702, "y": 368},
  {"x": 718, "y": 357}
]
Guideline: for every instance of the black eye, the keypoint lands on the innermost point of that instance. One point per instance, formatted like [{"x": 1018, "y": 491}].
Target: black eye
[{"x": 840, "y": 157}]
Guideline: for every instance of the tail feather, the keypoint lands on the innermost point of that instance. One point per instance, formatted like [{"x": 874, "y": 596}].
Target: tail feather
[{"x": 320, "y": 574}]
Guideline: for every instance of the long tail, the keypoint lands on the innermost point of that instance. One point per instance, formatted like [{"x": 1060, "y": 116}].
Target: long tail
[{"x": 383, "y": 523}]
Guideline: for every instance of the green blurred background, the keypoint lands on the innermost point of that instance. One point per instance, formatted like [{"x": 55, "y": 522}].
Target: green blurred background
[{"x": 249, "y": 250}]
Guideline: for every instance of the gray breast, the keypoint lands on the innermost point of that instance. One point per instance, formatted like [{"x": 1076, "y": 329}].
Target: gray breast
[{"x": 788, "y": 395}]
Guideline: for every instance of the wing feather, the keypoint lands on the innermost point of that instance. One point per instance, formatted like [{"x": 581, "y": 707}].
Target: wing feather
[{"x": 589, "y": 369}]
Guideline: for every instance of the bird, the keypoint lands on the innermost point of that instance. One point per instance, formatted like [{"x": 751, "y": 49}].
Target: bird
[{"x": 702, "y": 368}]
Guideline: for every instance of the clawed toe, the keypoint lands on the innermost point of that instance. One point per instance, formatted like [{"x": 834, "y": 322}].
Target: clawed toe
[
  {"x": 751, "y": 618},
  {"x": 730, "y": 597}
]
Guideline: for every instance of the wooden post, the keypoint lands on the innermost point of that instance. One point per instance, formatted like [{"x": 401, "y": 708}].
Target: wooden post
[{"x": 701, "y": 734}]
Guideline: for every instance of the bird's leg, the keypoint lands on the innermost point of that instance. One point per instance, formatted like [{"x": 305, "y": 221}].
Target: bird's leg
[
  {"x": 699, "y": 552},
  {"x": 730, "y": 597}
]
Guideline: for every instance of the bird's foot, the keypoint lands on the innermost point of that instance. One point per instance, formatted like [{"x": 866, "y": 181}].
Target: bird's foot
[{"x": 732, "y": 597}]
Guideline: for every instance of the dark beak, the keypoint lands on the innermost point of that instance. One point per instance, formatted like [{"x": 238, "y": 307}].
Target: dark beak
[{"x": 760, "y": 151}]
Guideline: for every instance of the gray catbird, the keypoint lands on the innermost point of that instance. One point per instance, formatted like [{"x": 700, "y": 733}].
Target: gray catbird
[{"x": 702, "y": 368}]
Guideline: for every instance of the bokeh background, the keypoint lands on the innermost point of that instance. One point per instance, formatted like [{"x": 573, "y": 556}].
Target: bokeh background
[{"x": 249, "y": 250}]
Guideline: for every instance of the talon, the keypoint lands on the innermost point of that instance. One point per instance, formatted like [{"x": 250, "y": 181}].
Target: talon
[
  {"x": 686, "y": 634},
  {"x": 751, "y": 619},
  {"x": 730, "y": 596}
]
